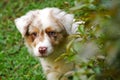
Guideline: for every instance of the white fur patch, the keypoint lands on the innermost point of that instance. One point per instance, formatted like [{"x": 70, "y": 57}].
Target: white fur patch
[{"x": 44, "y": 43}]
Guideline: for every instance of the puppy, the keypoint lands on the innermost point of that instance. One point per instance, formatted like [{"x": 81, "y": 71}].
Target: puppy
[{"x": 45, "y": 33}]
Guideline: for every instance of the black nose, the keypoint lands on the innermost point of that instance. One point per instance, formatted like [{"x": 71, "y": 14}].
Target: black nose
[{"x": 42, "y": 50}]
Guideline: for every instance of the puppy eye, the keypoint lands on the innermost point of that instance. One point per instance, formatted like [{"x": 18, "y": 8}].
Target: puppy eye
[
  {"x": 52, "y": 33},
  {"x": 34, "y": 34}
]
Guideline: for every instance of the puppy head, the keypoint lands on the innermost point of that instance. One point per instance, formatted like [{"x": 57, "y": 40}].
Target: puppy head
[{"x": 44, "y": 29}]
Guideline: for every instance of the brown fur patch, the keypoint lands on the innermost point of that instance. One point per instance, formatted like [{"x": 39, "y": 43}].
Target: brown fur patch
[
  {"x": 55, "y": 37},
  {"x": 48, "y": 29},
  {"x": 34, "y": 35}
]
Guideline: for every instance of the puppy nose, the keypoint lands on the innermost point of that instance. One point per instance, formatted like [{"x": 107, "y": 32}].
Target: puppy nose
[{"x": 42, "y": 50}]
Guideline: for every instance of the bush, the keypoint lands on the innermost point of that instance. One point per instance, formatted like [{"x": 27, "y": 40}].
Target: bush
[{"x": 97, "y": 41}]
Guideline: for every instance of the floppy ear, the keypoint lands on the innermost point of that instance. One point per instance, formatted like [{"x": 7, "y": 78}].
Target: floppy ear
[
  {"x": 23, "y": 22},
  {"x": 65, "y": 19}
]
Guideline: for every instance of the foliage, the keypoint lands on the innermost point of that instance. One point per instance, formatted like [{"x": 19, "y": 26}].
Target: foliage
[{"x": 101, "y": 31}]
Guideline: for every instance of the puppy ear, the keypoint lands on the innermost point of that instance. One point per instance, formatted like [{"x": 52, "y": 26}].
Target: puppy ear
[
  {"x": 65, "y": 19},
  {"x": 23, "y": 22}
]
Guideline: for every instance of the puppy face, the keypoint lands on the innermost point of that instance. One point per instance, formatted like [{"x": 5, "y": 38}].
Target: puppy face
[
  {"x": 43, "y": 40},
  {"x": 43, "y": 30}
]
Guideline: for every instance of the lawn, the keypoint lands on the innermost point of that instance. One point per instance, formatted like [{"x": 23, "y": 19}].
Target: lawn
[{"x": 15, "y": 61}]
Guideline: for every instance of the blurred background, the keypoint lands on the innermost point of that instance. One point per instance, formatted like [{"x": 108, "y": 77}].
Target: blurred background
[{"x": 98, "y": 47}]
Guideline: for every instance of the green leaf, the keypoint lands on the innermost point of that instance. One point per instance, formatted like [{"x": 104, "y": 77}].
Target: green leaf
[
  {"x": 92, "y": 77},
  {"x": 81, "y": 29},
  {"x": 97, "y": 70},
  {"x": 91, "y": 1},
  {"x": 92, "y": 7}
]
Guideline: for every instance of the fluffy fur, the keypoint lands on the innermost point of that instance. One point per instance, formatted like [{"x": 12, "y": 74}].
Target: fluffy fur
[{"x": 45, "y": 33}]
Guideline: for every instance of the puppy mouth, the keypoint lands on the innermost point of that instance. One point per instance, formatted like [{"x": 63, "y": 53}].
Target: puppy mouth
[{"x": 43, "y": 56}]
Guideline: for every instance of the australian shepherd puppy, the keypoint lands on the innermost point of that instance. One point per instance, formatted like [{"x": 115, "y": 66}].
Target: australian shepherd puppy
[{"x": 45, "y": 33}]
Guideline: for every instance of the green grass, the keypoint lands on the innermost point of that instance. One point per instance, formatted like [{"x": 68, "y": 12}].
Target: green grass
[{"x": 15, "y": 61}]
